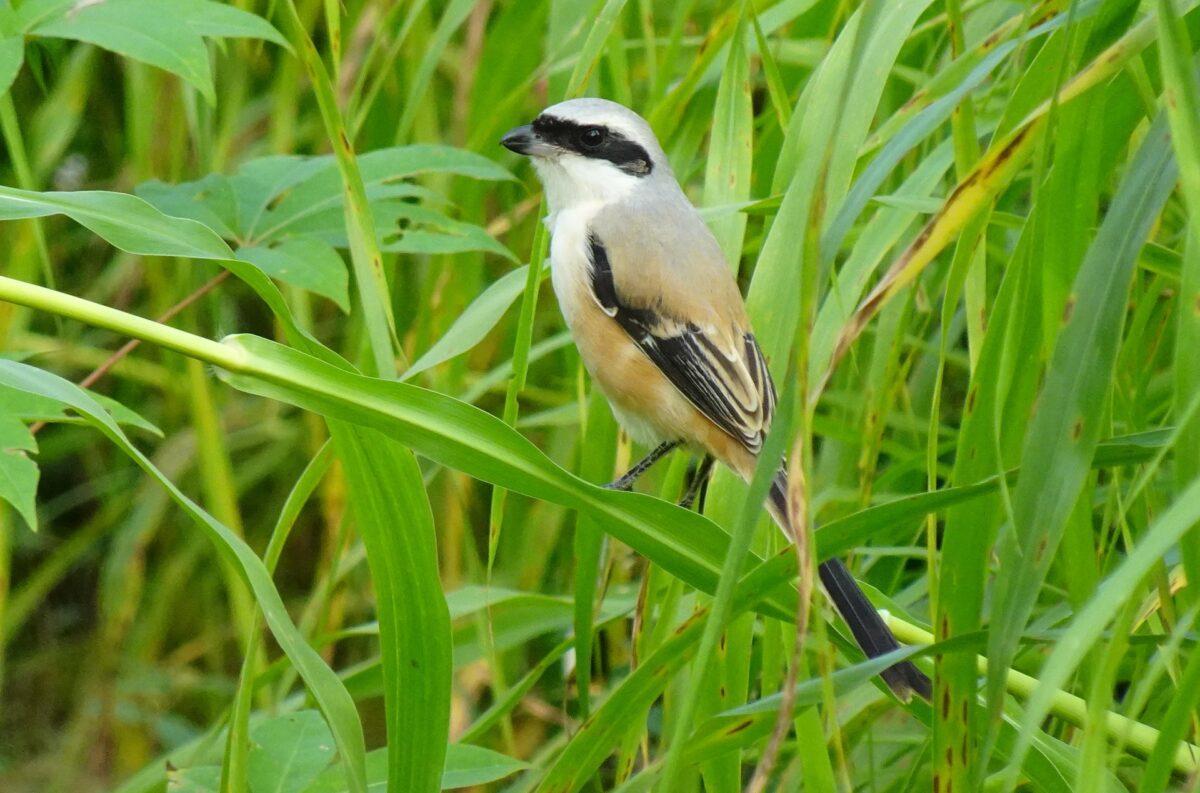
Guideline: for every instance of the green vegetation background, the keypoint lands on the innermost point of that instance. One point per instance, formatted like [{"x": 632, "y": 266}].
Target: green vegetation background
[{"x": 335, "y": 524}]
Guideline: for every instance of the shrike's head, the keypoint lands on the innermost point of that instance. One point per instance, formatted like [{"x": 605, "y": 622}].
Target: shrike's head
[{"x": 591, "y": 150}]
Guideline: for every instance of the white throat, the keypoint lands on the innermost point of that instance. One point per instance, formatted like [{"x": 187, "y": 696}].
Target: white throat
[{"x": 579, "y": 183}]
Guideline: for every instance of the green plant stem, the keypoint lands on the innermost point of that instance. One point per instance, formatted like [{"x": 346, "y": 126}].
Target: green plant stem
[
  {"x": 1141, "y": 737},
  {"x": 71, "y": 307}
]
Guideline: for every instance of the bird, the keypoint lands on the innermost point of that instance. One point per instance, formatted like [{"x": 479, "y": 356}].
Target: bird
[{"x": 660, "y": 324}]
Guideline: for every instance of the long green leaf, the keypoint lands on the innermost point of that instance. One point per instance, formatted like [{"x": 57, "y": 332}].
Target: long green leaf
[
  {"x": 1065, "y": 430},
  {"x": 328, "y": 691}
]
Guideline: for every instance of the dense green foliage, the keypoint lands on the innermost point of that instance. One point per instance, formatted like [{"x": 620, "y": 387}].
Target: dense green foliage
[{"x": 360, "y": 541}]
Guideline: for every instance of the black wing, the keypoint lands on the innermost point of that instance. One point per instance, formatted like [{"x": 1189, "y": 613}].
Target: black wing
[{"x": 732, "y": 387}]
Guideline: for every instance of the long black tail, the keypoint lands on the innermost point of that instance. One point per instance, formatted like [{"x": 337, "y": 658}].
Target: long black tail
[{"x": 869, "y": 629}]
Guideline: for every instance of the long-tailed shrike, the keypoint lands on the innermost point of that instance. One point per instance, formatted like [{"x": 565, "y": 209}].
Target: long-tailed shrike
[{"x": 658, "y": 318}]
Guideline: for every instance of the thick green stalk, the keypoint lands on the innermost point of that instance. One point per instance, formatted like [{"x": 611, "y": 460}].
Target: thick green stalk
[{"x": 1142, "y": 737}]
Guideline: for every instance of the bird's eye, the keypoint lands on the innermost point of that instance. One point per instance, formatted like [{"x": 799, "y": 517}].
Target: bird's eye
[{"x": 591, "y": 137}]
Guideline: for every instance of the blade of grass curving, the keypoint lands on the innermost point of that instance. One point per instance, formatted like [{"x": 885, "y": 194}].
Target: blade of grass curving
[
  {"x": 370, "y": 280},
  {"x": 773, "y": 299},
  {"x": 994, "y": 172},
  {"x": 453, "y": 16},
  {"x": 1182, "y": 99},
  {"x": 445, "y": 430},
  {"x": 920, "y": 127},
  {"x": 1063, "y": 435},
  {"x": 237, "y": 740},
  {"x": 473, "y": 324},
  {"x": 126, "y": 221},
  {"x": 458, "y": 436},
  {"x": 1088, "y": 624},
  {"x": 731, "y": 147},
  {"x": 330, "y": 694}
]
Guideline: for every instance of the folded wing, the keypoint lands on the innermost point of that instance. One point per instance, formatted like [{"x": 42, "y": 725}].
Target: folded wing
[{"x": 716, "y": 365}]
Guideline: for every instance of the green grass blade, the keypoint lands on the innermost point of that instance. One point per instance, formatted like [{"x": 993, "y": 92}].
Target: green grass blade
[
  {"x": 731, "y": 148},
  {"x": 1062, "y": 437},
  {"x": 370, "y": 280},
  {"x": 392, "y": 513},
  {"x": 1100, "y": 610},
  {"x": 1181, "y": 96}
]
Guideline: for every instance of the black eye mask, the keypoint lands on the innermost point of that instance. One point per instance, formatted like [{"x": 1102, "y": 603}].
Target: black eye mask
[{"x": 594, "y": 141}]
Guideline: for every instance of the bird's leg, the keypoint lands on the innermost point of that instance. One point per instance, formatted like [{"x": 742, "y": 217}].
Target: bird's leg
[
  {"x": 633, "y": 474},
  {"x": 696, "y": 481}
]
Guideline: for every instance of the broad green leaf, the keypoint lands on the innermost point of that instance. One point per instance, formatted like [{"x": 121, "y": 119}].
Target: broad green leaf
[
  {"x": 305, "y": 262},
  {"x": 326, "y": 688},
  {"x": 168, "y": 34},
  {"x": 436, "y": 234},
  {"x": 18, "y": 473},
  {"x": 126, "y": 221},
  {"x": 197, "y": 779},
  {"x": 473, "y": 324},
  {"x": 12, "y": 55},
  {"x": 321, "y": 189},
  {"x": 393, "y": 516},
  {"x": 466, "y": 766},
  {"x": 470, "y": 440},
  {"x": 211, "y": 201},
  {"x": 213, "y": 19},
  {"x": 288, "y": 752}
]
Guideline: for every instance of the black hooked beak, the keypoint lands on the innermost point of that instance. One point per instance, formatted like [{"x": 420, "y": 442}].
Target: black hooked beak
[{"x": 521, "y": 139}]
